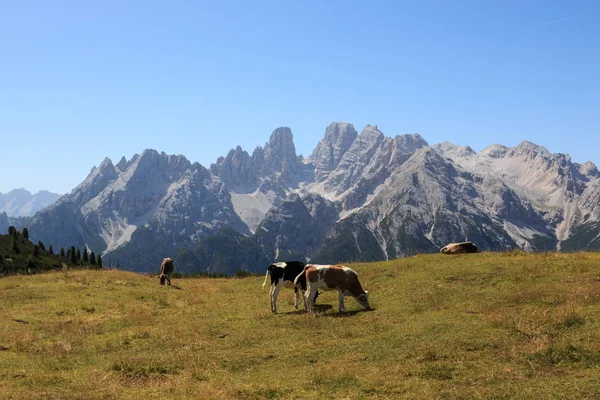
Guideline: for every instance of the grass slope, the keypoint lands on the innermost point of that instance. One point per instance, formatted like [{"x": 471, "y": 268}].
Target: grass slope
[{"x": 482, "y": 326}]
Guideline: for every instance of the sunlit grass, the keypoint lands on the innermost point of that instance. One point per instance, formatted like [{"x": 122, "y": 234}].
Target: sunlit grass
[{"x": 508, "y": 325}]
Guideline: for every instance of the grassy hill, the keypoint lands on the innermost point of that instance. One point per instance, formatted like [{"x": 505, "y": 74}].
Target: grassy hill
[{"x": 481, "y": 326}]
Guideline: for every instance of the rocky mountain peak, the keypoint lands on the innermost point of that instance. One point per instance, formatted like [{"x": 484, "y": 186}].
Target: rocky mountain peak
[
  {"x": 338, "y": 138},
  {"x": 157, "y": 166},
  {"x": 281, "y": 149},
  {"x": 531, "y": 149},
  {"x": 97, "y": 179},
  {"x": 410, "y": 143},
  {"x": 589, "y": 169},
  {"x": 236, "y": 169},
  {"x": 371, "y": 133},
  {"x": 494, "y": 151},
  {"x": 281, "y": 139},
  {"x": 122, "y": 164},
  {"x": 280, "y": 156}
]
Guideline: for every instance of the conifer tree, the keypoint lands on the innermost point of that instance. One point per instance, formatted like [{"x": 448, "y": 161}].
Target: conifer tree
[
  {"x": 73, "y": 255},
  {"x": 99, "y": 262},
  {"x": 12, "y": 231},
  {"x": 36, "y": 251},
  {"x": 51, "y": 250},
  {"x": 14, "y": 246},
  {"x": 62, "y": 252},
  {"x": 78, "y": 255},
  {"x": 41, "y": 245},
  {"x": 93, "y": 259},
  {"x": 25, "y": 234},
  {"x": 85, "y": 257}
]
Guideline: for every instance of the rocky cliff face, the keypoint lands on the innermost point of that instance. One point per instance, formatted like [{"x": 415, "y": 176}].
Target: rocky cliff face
[{"x": 21, "y": 203}]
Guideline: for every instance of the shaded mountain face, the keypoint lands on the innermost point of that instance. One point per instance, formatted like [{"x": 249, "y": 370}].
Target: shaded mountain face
[
  {"x": 21, "y": 203},
  {"x": 296, "y": 229},
  {"x": 356, "y": 197}
]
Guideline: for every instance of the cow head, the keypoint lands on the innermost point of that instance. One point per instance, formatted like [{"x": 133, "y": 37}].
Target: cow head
[{"x": 363, "y": 300}]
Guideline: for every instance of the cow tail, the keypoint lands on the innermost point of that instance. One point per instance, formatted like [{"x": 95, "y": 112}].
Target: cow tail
[
  {"x": 266, "y": 277},
  {"x": 301, "y": 273}
]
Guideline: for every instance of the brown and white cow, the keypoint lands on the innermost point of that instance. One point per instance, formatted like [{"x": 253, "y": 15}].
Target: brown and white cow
[
  {"x": 166, "y": 269},
  {"x": 332, "y": 277},
  {"x": 458, "y": 248}
]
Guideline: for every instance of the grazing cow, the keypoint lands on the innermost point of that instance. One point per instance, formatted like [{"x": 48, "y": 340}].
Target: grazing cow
[
  {"x": 281, "y": 273},
  {"x": 166, "y": 269},
  {"x": 457, "y": 248},
  {"x": 330, "y": 277}
]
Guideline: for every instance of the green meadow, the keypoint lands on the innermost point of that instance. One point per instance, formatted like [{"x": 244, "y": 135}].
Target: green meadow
[{"x": 476, "y": 326}]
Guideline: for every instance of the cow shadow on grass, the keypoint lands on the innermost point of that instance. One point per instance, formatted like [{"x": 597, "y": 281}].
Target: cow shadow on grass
[
  {"x": 344, "y": 314},
  {"x": 318, "y": 308}
]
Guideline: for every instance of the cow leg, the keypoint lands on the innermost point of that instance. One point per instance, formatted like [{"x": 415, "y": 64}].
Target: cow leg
[
  {"x": 341, "y": 307},
  {"x": 169, "y": 280},
  {"x": 311, "y": 291},
  {"x": 275, "y": 294},
  {"x": 296, "y": 297},
  {"x": 304, "y": 293},
  {"x": 271, "y": 296}
]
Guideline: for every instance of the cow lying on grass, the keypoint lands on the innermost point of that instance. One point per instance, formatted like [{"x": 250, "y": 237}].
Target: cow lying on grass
[
  {"x": 331, "y": 277},
  {"x": 166, "y": 269},
  {"x": 281, "y": 273},
  {"x": 458, "y": 248}
]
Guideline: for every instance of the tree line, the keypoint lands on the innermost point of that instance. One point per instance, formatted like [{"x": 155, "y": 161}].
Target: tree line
[{"x": 23, "y": 257}]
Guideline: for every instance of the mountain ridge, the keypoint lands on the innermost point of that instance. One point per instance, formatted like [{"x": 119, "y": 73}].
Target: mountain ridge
[
  {"x": 22, "y": 203},
  {"x": 372, "y": 197}
]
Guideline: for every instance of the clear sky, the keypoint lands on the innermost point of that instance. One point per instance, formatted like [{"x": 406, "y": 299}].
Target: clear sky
[{"x": 83, "y": 80}]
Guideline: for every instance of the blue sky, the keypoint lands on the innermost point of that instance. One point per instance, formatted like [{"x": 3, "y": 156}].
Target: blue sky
[{"x": 83, "y": 80}]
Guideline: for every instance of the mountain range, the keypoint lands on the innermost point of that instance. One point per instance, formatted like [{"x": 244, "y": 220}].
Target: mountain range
[
  {"x": 358, "y": 197},
  {"x": 22, "y": 203}
]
